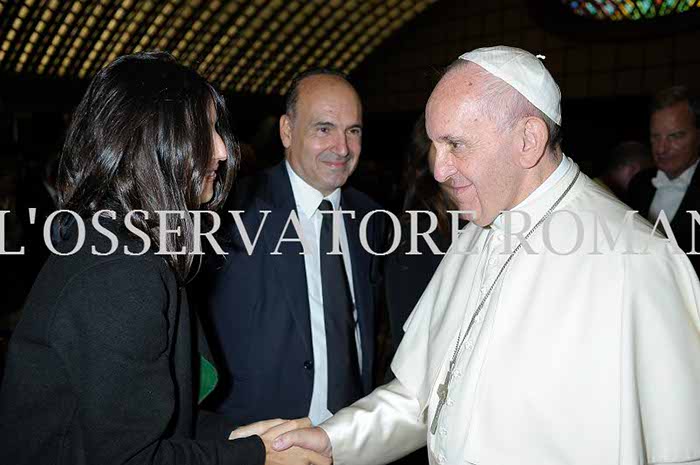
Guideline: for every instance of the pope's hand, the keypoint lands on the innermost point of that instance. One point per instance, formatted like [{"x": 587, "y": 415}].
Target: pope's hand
[
  {"x": 258, "y": 428},
  {"x": 314, "y": 439},
  {"x": 292, "y": 454}
]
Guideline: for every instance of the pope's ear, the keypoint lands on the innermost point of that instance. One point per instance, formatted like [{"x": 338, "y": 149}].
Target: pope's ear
[
  {"x": 286, "y": 130},
  {"x": 534, "y": 136}
]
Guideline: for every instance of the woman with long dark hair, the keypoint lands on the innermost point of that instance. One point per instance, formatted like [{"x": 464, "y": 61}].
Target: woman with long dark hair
[
  {"x": 422, "y": 191},
  {"x": 108, "y": 362},
  {"x": 407, "y": 276}
]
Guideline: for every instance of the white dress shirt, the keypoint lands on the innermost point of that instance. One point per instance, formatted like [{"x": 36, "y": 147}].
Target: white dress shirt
[
  {"x": 669, "y": 193},
  {"x": 307, "y": 201}
]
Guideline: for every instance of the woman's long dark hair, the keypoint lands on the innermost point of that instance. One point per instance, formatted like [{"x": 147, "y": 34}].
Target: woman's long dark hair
[
  {"x": 141, "y": 139},
  {"x": 423, "y": 192}
]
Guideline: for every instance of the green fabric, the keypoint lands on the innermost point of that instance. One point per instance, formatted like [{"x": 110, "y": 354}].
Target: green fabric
[{"x": 208, "y": 377}]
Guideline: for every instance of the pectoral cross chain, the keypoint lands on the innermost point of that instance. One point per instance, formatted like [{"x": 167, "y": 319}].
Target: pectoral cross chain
[
  {"x": 444, "y": 388},
  {"x": 442, "y": 392}
]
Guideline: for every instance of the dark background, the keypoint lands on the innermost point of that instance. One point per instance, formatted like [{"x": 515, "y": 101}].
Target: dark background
[{"x": 606, "y": 72}]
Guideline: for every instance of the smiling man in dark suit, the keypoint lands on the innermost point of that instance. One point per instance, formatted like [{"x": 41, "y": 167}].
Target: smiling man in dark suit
[
  {"x": 673, "y": 186},
  {"x": 296, "y": 332}
]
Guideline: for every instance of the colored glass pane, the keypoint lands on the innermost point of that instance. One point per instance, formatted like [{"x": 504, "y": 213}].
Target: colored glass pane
[{"x": 617, "y": 10}]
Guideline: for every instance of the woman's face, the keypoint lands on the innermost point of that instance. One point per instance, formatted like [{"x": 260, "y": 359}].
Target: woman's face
[{"x": 219, "y": 155}]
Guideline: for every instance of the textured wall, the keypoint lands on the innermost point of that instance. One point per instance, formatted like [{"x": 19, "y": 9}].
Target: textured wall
[{"x": 400, "y": 75}]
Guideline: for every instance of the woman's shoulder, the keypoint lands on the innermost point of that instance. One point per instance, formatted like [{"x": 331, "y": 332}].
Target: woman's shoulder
[
  {"x": 132, "y": 293},
  {"x": 111, "y": 254}
]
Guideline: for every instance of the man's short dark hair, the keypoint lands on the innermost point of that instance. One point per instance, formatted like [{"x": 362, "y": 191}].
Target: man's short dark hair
[
  {"x": 672, "y": 95},
  {"x": 292, "y": 97}
]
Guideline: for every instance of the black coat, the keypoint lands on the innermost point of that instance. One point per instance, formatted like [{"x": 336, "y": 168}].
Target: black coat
[
  {"x": 259, "y": 307},
  {"x": 103, "y": 369},
  {"x": 641, "y": 194}
]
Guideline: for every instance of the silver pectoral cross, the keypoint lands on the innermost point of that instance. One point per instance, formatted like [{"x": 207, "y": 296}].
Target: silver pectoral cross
[{"x": 442, "y": 392}]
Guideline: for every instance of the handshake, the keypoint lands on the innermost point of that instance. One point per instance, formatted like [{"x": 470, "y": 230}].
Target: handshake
[{"x": 289, "y": 442}]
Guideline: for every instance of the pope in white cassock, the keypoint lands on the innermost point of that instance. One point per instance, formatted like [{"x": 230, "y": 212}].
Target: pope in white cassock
[{"x": 557, "y": 330}]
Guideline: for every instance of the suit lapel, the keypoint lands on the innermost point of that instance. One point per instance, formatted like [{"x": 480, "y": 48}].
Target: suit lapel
[
  {"x": 361, "y": 287},
  {"x": 648, "y": 195},
  {"x": 690, "y": 202},
  {"x": 289, "y": 267}
]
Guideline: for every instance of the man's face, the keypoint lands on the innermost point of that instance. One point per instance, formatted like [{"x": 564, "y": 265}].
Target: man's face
[
  {"x": 473, "y": 156},
  {"x": 323, "y": 138},
  {"x": 674, "y": 139}
]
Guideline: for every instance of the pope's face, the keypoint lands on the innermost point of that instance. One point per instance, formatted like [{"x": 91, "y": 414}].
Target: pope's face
[
  {"x": 473, "y": 155},
  {"x": 323, "y": 138},
  {"x": 674, "y": 139},
  {"x": 445, "y": 187}
]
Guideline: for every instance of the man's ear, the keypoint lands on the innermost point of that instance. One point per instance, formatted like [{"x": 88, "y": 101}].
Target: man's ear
[
  {"x": 286, "y": 130},
  {"x": 532, "y": 141}
]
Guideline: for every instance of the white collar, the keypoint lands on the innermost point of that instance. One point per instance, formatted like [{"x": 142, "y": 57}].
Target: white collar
[
  {"x": 661, "y": 180},
  {"x": 307, "y": 198},
  {"x": 552, "y": 180}
]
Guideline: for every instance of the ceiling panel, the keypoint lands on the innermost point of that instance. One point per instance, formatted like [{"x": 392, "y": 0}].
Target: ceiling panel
[{"x": 253, "y": 46}]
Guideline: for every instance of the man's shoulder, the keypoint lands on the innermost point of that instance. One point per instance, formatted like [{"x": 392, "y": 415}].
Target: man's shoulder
[
  {"x": 606, "y": 206},
  {"x": 598, "y": 210},
  {"x": 359, "y": 200},
  {"x": 248, "y": 190}
]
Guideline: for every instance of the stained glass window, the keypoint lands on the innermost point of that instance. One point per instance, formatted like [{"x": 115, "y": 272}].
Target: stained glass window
[{"x": 618, "y": 10}]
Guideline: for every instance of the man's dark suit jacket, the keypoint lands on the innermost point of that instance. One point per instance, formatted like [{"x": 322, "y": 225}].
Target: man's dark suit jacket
[
  {"x": 259, "y": 306},
  {"x": 103, "y": 368},
  {"x": 641, "y": 194}
]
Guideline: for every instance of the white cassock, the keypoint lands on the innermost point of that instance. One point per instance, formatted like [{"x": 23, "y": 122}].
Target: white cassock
[{"x": 582, "y": 358}]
